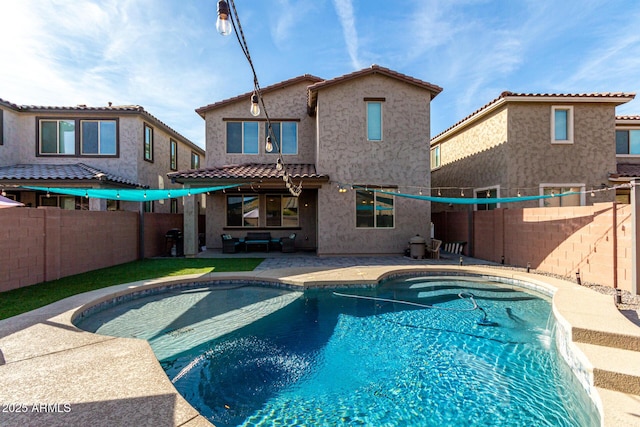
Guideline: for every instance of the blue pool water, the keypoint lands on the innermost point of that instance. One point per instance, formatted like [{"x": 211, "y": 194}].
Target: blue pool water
[{"x": 260, "y": 356}]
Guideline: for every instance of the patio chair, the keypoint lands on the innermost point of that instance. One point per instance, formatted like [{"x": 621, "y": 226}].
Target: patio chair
[
  {"x": 434, "y": 248},
  {"x": 230, "y": 245},
  {"x": 288, "y": 243}
]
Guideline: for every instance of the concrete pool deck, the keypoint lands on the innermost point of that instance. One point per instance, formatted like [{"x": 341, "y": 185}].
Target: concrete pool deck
[{"x": 52, "y": 373}]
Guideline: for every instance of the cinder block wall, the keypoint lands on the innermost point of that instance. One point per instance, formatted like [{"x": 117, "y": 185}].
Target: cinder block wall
[
  {"x": 45, "y": 244},
  {"x": 561, "y": 241}
]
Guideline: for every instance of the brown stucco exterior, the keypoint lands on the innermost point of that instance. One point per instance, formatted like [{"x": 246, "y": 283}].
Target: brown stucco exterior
[{"x": 508, "y": 146}]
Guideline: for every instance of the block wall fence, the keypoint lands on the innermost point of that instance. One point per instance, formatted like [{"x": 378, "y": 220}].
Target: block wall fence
[
  {"x": 594, "y": 241},
  {"x": 45, "y": 244}
]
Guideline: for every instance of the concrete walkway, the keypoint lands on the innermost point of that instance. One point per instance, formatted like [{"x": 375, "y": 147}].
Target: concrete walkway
[{"x": 53, "y": 374}]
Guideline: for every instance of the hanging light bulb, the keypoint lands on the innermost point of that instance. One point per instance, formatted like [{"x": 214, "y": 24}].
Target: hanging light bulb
[
  {"x": 439, "y": 193},
  {"x": 4, "y": 193},
  {"x": 145, "y": 194},
  {"x": 462, "y": 192},
  {"x": 86, "y": 194},
  {"x": 223, "y": 25},
  {"x": 169, "y": 194},
  {"x": 255, "y": 107},
  {"x": 117, "y": 194},
  {"x": 285, "y": 176},
  {"x": 279, "y": 164},
  {"x": 593, "y": 193},
  {"x": 269, "y": 145},
  {"x": 519, "y": 195},
  {"x": 488, "y": 194}
]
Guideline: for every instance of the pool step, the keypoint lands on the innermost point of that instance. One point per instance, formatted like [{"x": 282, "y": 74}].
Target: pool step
[{"x": 614, "y": 368}]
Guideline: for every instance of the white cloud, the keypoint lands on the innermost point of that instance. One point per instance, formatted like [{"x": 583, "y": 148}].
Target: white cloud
[{"x": 344, "y": 9}]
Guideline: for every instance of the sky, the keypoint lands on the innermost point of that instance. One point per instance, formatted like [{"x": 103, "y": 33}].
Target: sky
[{"x": 167, "y": 56}]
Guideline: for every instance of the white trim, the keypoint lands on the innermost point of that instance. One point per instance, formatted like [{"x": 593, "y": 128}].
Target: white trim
[
  {"x": 432, "y": 149},
  {"x": 570, "y": 125},
  {"x": 484, "y": 189}
]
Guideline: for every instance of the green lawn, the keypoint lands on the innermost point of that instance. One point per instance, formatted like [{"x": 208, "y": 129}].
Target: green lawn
[{"x": 31, "y": 297}]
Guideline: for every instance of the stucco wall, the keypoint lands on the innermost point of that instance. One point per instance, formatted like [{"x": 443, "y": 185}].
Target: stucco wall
[
  {"x": 345, "y": 154},
  {"x": 511, "y": 148}
]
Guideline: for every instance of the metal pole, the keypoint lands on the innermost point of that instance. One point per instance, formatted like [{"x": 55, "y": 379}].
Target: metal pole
[
  {"x": 618, "y": 297},
  {"x": 141, "y": 232}
]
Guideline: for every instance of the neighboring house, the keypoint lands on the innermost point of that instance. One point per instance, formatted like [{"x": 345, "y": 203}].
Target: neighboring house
[
  {"x": 627, "y": 154},
  {"x": 369, "y": 128},
  {"x": 96, "y": 147},
  {"x": 527, "y": 145}
]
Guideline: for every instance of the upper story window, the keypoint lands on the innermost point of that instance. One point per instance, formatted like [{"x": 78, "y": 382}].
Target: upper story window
[
  {"x": 195, "y": 160},
  {"x": 1, "y": 126},
  {"x": 286, "y": 134},
  {"x": 57, "y": 137},
  {"x": 374, "y": 120},
  {"x": 562, "y": 125},
  {"x": 98, "y": 137},
  {"x": 173, "y": 155},
  {"x": 435, "y": 157},
  {"x": 148, "y": 143},
  {"x": 374, "y": 210},
  {"x": 628, "y": 142},
  {"x": 242, "y": 137}
]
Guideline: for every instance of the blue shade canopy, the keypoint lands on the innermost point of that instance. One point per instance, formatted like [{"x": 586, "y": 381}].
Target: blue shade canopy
[
  {"x": 130, "y": 194},
  {"x": 470, "y": 201}
]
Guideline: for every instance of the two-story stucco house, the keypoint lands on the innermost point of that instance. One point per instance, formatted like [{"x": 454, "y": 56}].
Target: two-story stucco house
[
  {"x": 339, "y": 139},
  {"x": 530, "y": 144},
  {"x": 94, "y": 147}
]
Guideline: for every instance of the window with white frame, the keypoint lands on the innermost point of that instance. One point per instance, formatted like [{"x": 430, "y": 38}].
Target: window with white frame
[
  {"x": 374, "y": 209},
  {"x": 174, "y": 206},
  {"x": 242, "y": 137},
  {"x": 555, "y": 190},
  {"x": 435, "y": 157},
  {"x": 243, "y": 210},
  {"x": 281, "y": 210},
  {"x": 562, "y": 125},
  {"x": 57, "y": 137},
  {"x": 286, "y": 136},
  {"x": 374, "y": 120},
  {"x": 628, "y": 142},
  {"x": 486, "y": 193}
]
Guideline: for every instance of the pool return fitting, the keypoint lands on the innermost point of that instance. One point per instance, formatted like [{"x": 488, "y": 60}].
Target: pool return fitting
[{"x": 483, "y": 321}]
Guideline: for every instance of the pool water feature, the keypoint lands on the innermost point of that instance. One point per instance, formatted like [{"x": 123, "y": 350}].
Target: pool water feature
[{"x": 255, "y": 356}]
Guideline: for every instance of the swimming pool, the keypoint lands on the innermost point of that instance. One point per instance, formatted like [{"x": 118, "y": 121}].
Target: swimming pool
[{"x": 262, "y": 356}]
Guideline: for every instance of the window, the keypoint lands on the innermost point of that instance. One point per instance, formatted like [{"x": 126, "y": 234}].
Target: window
[
  {"x": 1, "y": 126},
  {"x": 173, "y": 155},
  {"x": 374, "y": 121},
  {"x": 64, "y": 202},
  {"x": 242, "y": 137},
  {"x": 562, "y": 125},
  {"x": 628, "y": 142},
  {"x": 554, "y": 190},
  {"x": 282, "y": 211},
  {"x": 174, "y": 205},
  {"x": 195, "y": 160},
  {"x": 57, "y": 137},
  {"x": 286, "y": 136},
  {"x": 374, "y": 210},
  {"x": 486, "y": 193},
  {"x": 435, "y": 157},
  {"x": 149, "y": 207},
  {"x": 148, "y": 143},
  {"x": 243, "y": 211},
  {"x": 98, "y": 137}
]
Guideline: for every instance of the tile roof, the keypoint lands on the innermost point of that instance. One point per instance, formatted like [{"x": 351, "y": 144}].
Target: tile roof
[
  {"x": 246, "y": 96},
  {"x": 616, "y": 97},
  {"x": 628, "y": 118},
  {"x": 251, "y": 171},
  {"x": 65, "y": 172},
  {"x": 628, "y": 170},
  {"x": 374, "y": 69}
]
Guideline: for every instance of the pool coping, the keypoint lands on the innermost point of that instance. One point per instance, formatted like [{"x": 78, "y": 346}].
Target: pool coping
[{"x": 56, "y": 374}]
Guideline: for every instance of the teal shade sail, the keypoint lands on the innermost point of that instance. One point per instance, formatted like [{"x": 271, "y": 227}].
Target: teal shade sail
[
  {"x": 472, "y": 201},
  {"x": 130, "y": 194}
]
